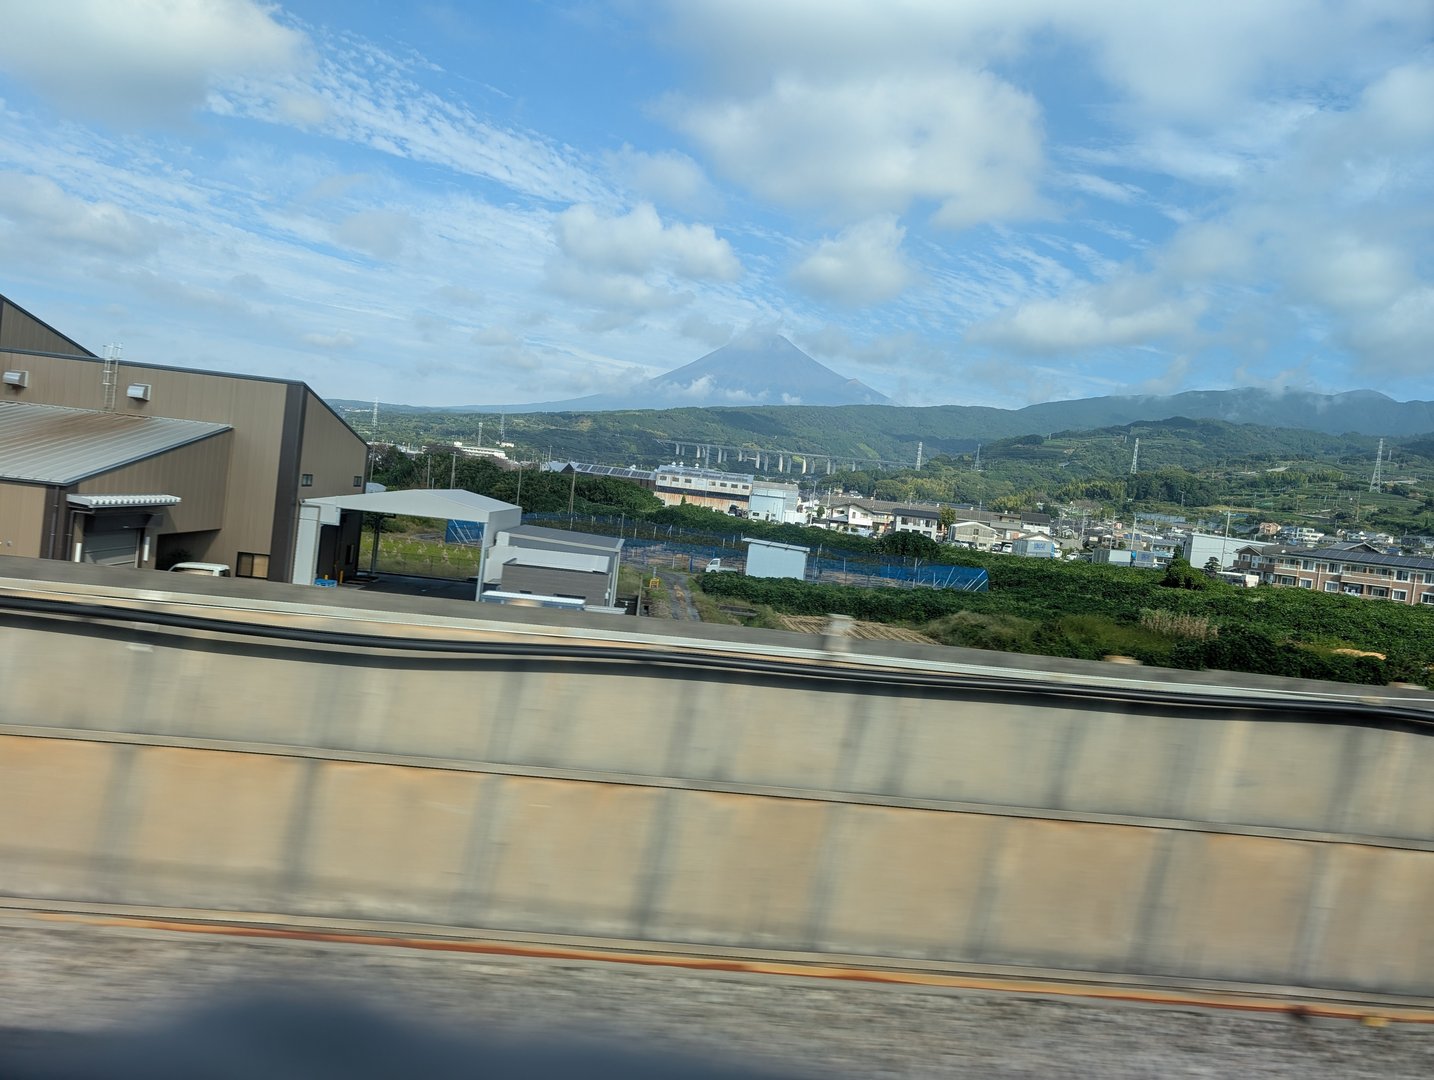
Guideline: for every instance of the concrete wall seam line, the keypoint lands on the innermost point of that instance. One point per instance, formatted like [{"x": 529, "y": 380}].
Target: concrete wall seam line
[
  {"x": 297, "y": 831},
  {"x": 824, "y": 878},
  {"x": 994, "y": 863},
  {"x": 120, "y": 805},
  {"x": 1314, "y": 919},
  {"x": 473, "y": 894},
  {"x": 656, "y": 865},
  {"x": 1150, "y": 910},
  {"x": 643, "y": 780}
]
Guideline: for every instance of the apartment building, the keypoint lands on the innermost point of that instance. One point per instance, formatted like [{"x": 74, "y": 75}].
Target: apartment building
[
  {"x": 1347, "y": 569},
  {"x": 730, "y": 493}
]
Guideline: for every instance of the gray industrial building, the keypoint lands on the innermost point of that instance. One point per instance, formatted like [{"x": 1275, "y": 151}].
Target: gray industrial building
[
  {"x": 111, "y": 461},
  {"x": 529, "y": 559}
]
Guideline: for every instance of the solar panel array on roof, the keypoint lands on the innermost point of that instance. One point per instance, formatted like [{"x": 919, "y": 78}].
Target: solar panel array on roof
[
  {"x": 704, "y": 474},
  {"x": 622, "y": 472},
  {"x": 1368, "y": 558}
]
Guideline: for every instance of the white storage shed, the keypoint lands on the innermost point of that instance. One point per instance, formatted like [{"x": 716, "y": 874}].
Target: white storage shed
[{"x": 767, "y": 558}]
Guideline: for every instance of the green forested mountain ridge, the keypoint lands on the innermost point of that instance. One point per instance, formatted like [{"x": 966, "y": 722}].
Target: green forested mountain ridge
[
  {"x": 892, "y": 432},
  {"x": 865, "y": 433}
]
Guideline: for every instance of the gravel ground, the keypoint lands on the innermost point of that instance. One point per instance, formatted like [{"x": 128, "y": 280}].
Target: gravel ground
[{"x": 73, "y": 978}]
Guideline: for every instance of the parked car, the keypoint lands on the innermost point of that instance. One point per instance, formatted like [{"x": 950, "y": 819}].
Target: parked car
[
  {"x": 212, "y": 569},
  {"x": 714, "y": 566}
]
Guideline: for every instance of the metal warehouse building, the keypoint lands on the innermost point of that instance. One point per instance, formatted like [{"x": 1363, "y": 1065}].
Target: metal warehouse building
[{"x": 131, "y": 464}]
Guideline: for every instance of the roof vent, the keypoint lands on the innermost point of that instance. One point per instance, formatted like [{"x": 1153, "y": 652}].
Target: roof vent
[
  {"x": 139, "y": 391},
  {"x": 17, "y": 379}
]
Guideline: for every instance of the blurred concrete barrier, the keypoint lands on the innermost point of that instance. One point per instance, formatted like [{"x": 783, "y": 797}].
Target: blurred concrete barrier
[{"x": 266, "y": 751}]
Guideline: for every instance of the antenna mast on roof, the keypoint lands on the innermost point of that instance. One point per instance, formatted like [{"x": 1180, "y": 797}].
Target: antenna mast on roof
[
  {"x": 109, "y": 376},
  {"x": 1374, "y": 481}
]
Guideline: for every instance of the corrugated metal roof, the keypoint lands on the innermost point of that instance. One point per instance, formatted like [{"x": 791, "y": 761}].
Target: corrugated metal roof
[
  {"x": 50, "y": 444},
  {"x": 104, "y": 502}
]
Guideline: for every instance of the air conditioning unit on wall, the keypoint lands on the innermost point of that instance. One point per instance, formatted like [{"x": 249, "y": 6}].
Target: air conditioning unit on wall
[
  {"x": 138, "y": 391},
  {"x": 17, "y": 379}
]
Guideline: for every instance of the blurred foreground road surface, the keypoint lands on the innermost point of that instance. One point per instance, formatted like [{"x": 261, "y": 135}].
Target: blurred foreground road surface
[{"x": 58, "y": 979}]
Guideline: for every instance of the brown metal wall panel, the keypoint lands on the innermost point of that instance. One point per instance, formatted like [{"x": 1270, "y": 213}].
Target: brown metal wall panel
[
  {"x": 332, "y": 452},
  {"x": 284, "y": 515},
  {"x": 22, "y": 519},
  {"x": 197, "y": 473},
  {"x": 21, "y": 330}
]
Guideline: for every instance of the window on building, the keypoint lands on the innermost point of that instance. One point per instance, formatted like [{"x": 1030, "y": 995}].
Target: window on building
[
  {"x": 1331, "y": 586},
  {"x": 358, "y": 481},
  {"x": 307, "y": 480},
  {"x": 1401, "y": 595},
  {"x": 251, "y": 564},
  {"x": 1427, "y": 598},
  {"x": 1381, "y": 593},
  {"x": 1306, "y": 583},
  {"x": 1401, "y": 575}
]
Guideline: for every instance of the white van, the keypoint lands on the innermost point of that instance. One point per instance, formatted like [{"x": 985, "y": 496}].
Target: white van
[{"x": 212, "y": 569}]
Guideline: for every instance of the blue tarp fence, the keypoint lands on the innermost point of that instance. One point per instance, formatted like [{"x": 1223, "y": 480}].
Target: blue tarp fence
[
  {"x": 649, "y": 545},
  {"x": 464, "y": 532}
]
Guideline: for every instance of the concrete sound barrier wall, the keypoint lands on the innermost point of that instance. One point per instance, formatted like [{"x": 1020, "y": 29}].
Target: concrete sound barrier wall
[{"x": 573, "y": 789}]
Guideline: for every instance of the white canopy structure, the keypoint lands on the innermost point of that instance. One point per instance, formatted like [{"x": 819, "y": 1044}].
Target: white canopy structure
[{"x": 450, "y": 504}]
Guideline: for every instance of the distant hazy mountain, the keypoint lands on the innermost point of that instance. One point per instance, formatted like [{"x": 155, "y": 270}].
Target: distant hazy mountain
[
  {"x": 1364, "y": 411},
  {"x": 766, "y": 370}
]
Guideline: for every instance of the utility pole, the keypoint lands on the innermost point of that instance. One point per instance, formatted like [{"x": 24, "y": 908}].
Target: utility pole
[
  {"x": 572, "y": 492},
  {"x": 453, "y": 471}
]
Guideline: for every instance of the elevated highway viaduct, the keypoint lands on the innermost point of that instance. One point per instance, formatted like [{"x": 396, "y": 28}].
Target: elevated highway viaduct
[{"x": 247, "y": 751}]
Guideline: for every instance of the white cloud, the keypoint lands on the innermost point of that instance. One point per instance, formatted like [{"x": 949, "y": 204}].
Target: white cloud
[
  {"x": 1398, "y": 339},
  {"x": 962, "y": 139},
  {"x": 708, "y": 331},
  {"x": 381, "y": 233},
  {"x": 45, "y": 214},
  {"x": 667, "y": 177},
  {"x": 1102, "y": 188},
  {"x": 142, "y": 60},
  {"x": 639, "y": 243},
  {"x": 1092, "y": 318},
  {"x": 1398, "y": 101},
  {"x": 338, "y": 340},
  {"x": 493, "y": 336},
  {"x": 863, "y": 265},
  {"x": 459, "y": 296},
  {"x": 621, "y": 294}
]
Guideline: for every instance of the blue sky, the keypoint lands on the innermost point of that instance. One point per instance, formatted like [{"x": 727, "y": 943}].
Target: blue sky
[{"x": 970, "y": 203}]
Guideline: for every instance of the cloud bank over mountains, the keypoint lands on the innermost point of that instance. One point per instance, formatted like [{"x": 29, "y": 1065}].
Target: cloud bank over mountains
[{"x": 952, "y": 202}]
